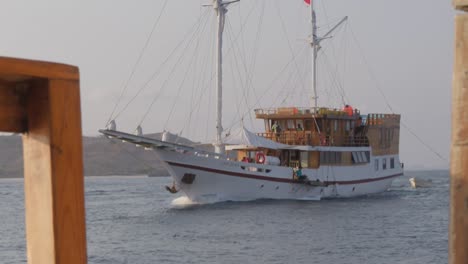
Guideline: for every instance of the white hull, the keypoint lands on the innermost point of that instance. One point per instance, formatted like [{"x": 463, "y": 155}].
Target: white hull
[{"x": 223, "y": 180}]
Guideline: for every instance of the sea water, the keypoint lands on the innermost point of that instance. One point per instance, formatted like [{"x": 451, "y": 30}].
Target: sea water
[{"x": 134, "y": 220}]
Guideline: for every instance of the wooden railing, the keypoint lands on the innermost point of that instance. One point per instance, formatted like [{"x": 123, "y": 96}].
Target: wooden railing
[
  {"x": 315, "y": 139},
  {"x": 458, "y": 232},
  {"x": 41, "y": 100}
]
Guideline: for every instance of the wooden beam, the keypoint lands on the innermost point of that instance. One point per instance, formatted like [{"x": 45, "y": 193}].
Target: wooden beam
[
  {"x": 12, "y": 111},
  {"x": 42, "y": 100},
  {"x": 460, "y": 4},
  {"x": 21, "y": 68},
  {"x": 459, "y": 153}
]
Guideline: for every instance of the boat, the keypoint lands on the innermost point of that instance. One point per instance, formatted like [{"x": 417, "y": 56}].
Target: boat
[
  {"x": 420, "y": 183},
  {"x": 304, "y": 153}
]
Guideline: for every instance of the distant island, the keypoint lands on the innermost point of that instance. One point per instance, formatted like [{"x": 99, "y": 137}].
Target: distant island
[{"x": 102, "y": 157}]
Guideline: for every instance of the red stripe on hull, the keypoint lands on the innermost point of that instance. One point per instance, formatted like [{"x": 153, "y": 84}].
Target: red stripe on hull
[{"x": 273, "y": 179}]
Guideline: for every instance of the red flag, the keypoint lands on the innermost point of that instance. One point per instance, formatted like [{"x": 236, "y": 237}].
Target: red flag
[{"x": 307, "y": 1}]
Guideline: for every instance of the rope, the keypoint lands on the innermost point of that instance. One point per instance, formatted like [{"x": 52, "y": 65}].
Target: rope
[
  {"x": 195, "y": 54},
  {"x": 270, "y": 86},
  {"x": 283, "y": 27},
  {"x": 156, "y": 73},
  {"x": 377, "y": 85},
  {"x": 170, "y": 75},
  {"x": 390, "y": 107},
  {"x": 142, "y": 51},
  {"x": 424, "y": 143},
  {"x": 148, "y": 166}
]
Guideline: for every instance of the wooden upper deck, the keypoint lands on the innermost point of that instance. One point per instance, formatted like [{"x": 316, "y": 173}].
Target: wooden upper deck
[{"x": 332, "y": 127}]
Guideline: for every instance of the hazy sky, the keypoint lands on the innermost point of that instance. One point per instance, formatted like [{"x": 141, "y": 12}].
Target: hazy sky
[{"x": 403, "y": 48}]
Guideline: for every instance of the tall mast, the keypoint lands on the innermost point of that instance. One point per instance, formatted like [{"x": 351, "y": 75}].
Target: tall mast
[
  {"x": 221, "y": 10},
  {"x": 221, "y": 13},
  {"x": 314, "y": 46}
]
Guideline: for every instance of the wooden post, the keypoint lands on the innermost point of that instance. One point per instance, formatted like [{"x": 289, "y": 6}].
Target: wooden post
[
  {"x": 458, "y": 236},
  {"x": 42, "y": 101}
]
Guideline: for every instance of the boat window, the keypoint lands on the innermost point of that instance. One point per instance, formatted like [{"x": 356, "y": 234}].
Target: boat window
[
  {"x": 376, "y": 163},
  {"x": 291, "y": 124},
  {"x": 392, "y": 163},
  {"x": 348, "y": 125},
  {"x": 299, "y": 123},
  {"x": 360, "y": 156},
  {"x": 330, "y": 157},
  {"x": 254, "y": 169},
  {"x": 282, "y": 124},
  {"x": 304, "y": 159},
  {"x": 363, "y": 156},
  {"x": 384, "y": 164},
  {"x": 308, "y": 124},
  {"x": 338, "y": 157},
  {"x": 335, "y": 125}
]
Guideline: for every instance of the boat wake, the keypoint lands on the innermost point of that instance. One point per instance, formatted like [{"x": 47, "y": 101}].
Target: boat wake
[{"x": 183, "y": 201}]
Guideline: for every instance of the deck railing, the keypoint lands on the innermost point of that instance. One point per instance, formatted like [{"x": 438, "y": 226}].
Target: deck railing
[{"x": 315, "y": 139}]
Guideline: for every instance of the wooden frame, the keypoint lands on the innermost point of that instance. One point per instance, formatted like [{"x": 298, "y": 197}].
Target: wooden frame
[
  {"x": 41, "y": 100},
  {"x": 458, "y": 234}
]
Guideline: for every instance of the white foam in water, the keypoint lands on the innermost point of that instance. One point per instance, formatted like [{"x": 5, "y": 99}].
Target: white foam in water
[{"x": 182, "y": 202}]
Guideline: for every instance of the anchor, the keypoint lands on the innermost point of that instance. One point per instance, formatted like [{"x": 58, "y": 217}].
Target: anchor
[{"x": 172, "y": 189}]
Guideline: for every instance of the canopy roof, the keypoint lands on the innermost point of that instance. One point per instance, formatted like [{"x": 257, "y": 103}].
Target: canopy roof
[{"x": 241, "y": 138}]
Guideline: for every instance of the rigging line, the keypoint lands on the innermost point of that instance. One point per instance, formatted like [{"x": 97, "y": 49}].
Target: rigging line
[
  {"x": 211, "y": 82},
  {"x": 390, "y": 107},
  {"x": 345, "y": 56},
  {"x": 173, "y": 70},
  {"x": 333, "y": 47},
  {"x": 236, "y": 63},
  {"x": 332, "y": 44},
  {"x": 156, "y": 73},
  {"x": 201, "y": 85},
  {"x": 208, "y": 116},
  {"x": 249, "y": 82},
  {"x": 148, "y": 166},
  {"x": 335, "y": 68},
  {"x": 283, "y": 26},
  {"x": 424, "y": 143},
  {"x": 286, "y": 85},
  {"x": 243, "y": 51},
  {"x": 334, "y": 79},
  {"x": 237, "y": 100},
  {"x": 204, "y": 84},
  {"x": 371, "y": 72},
  {"x": 235, "y": 39},
  {"x": 244, "y": 96},
  {"x": 270, "y": 86},
  {"x": 241, "y": 31},
  {"x": 195, "y": 53},
  {"x": 303, "y": 98},
  {"x": 195, "y": 104},
  {"x": 301, "y": 74},
  {"x": 227, "y": 52},
  {"x": 142, "y": 51}
]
